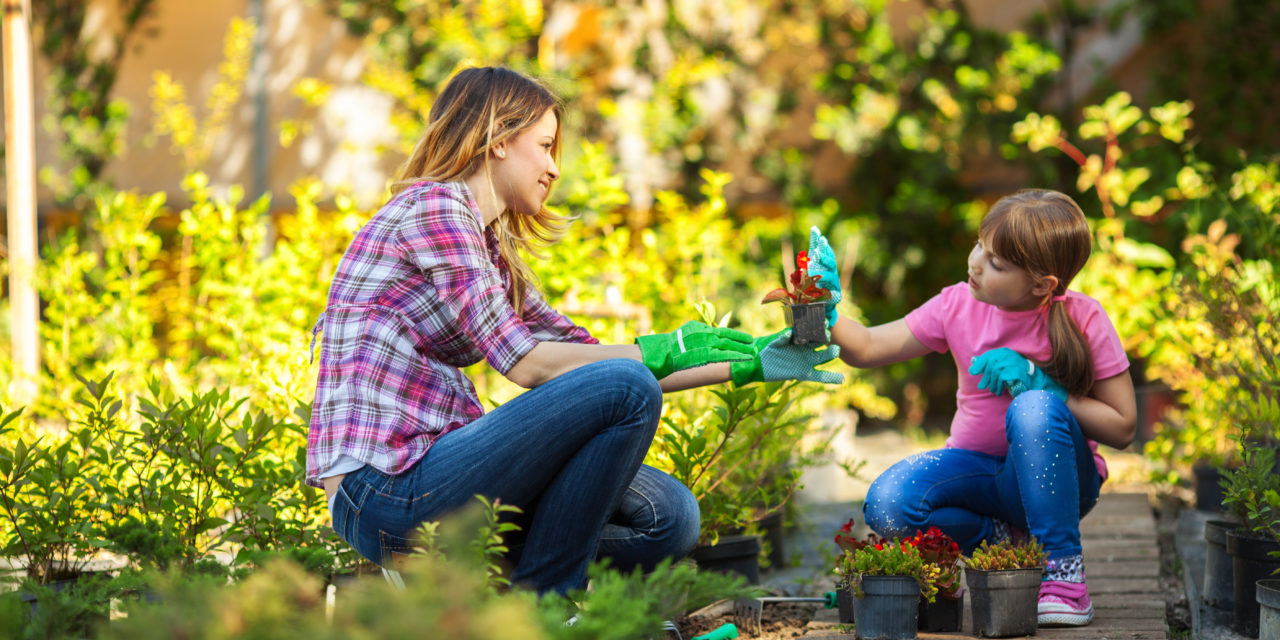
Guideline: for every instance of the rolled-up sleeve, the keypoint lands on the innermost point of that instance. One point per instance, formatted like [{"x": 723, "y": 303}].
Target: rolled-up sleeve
[{"x": 449, "y": 247}]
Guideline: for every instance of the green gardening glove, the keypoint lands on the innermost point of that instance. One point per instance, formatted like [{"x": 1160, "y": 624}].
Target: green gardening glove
[
  {"x": 693, "y": 345},
  {"x": 778, "y": 359},
  {"x": 822, "y": 263}
]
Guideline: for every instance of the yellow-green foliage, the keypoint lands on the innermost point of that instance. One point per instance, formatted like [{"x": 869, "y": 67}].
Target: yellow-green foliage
[{"x": 191, "y": 138}]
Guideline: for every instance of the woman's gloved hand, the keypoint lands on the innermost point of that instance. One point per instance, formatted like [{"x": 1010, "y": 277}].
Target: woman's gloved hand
[
  {"x": 693, "y": 345},
  {"x": 822, "y": 263},
  {"x": 777, "y": 359},
  {"x": 1004, "y": 369}
]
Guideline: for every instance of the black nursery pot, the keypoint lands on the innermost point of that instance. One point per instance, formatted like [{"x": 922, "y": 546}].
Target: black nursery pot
[
  {"x": 1251, "y": 561},
  {"x": 732, "y": 554},
  {"x": 943, "y": 614},
  {"x": 808, "y": 322}
]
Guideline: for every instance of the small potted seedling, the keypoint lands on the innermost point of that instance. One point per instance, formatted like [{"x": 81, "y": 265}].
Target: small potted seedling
[
  {"x": 1004, "y": 585},
  {"x": 804, "y": 304}
]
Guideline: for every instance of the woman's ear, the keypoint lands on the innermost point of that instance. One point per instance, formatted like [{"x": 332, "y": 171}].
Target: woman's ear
[
  {"x": 1045, "y": 286},
  {"x": 500, "y": 150}
]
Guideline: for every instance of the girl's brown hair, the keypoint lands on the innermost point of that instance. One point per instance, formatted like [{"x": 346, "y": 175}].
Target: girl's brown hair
[
  {"x": 1045, "y": 233},
  {"x": 479, "y": 108}
]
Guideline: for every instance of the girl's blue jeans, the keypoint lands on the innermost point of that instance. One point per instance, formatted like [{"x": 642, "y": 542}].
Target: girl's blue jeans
[
  {"x": 1045, "y": 483},
  {"x": 568, "y": 453}
]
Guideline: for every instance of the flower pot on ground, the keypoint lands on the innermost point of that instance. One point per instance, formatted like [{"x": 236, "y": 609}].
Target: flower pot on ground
[
  {"x": 1252, "y": 560},
  {"x": 771, "y": 527},
  {"x": 1004, "y": 601},
  {"x": 887, "y": 607},
  {"x": 946, "y": 611},
  {"x": 1218, "y": 583},
  {"x": 886, "y": 579},
  {"x": 1208, "y": 486},
  {"x": 731, "y": 554},
  {"x": 1252, "y": 492},
  {"x": 844, "y": 604},
  {"x": 941, "y": 615},
  {"x": 1268, "y": 597},
  {"x": 1004, "y": 587}
]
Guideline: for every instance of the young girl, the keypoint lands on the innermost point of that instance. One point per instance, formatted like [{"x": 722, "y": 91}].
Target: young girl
[
  {"x": 434, "y": 282},
  {"x": 1042, "y": 380}
]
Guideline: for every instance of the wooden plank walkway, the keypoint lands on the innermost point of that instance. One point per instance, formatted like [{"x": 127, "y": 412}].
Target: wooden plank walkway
[{"x": 1123, "y": 566}]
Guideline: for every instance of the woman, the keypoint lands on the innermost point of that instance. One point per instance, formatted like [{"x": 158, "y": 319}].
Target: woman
[{"x": 435, "y": 282}]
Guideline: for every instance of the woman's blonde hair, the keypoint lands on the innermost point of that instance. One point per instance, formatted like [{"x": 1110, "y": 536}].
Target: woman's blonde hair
[
  {"x": 1045, "y": 233},
  {"x": 481, "y": 107}
]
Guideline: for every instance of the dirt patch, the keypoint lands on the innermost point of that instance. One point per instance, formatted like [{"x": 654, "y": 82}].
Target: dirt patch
[{"x": 778, "y": 621}]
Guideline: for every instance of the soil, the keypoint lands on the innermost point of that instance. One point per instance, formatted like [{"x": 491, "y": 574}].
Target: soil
[{"x": 778, "y": 621}]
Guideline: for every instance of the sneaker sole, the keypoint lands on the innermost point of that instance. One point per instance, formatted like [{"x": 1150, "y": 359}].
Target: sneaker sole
[{"x": 1064, "y": 619}]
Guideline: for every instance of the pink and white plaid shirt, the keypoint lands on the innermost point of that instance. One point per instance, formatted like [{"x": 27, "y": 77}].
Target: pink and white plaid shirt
[{"x": 420, "y": 292}]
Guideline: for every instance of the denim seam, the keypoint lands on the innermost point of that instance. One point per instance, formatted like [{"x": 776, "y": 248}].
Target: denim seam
[{"x": 649, "y": 531}]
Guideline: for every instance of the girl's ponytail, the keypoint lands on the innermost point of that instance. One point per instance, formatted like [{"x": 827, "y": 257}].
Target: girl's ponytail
[{"x": 1071, "y": 364}]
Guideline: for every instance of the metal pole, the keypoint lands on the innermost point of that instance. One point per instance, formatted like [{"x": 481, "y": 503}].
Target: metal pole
[{"x": 20, "y": 182}]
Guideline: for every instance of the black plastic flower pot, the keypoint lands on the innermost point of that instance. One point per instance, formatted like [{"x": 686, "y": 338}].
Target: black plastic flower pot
[
  {"x": 1268, "y": 597},
  {"x": 844, "y": 604},
  {"x": 1251, "y": 561},
  {"x": 808, "y": 322},
  {"x": 1208, "y": 481},
  {"x": 1004, "y": 602},
  {"x": 887, "y": 608},
  {"x": 771, "y": 525},
  {"x": 732, "y": 554},
  {"x": 943, "y": 614},
  {"x": 1218, "y": 584}
]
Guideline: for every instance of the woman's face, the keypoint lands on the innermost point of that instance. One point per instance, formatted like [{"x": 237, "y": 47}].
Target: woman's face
[
  {"x": 994, "y": 280},
  {"x": 525, "y": 167}
]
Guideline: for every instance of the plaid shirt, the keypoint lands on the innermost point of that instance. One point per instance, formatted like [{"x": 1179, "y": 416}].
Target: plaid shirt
[{"x": 420, "y": 292}]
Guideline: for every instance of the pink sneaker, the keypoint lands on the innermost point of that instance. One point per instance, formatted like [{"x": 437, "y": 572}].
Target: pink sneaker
[{"x": 1064, "y": 604}]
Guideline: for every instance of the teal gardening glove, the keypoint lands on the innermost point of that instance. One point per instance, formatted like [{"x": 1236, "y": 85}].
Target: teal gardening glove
[
  {"x": 693, "y": 345},
  {"x": 822, "y": 263},
  {"x": 777, "y": 359},
  {"x": 1004, "y": 369}
]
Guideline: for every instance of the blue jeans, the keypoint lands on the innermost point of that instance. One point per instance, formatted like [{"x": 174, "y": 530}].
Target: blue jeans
[
  {"x": 569, "y": 453},
  {"x": 1045, "y": 483}
]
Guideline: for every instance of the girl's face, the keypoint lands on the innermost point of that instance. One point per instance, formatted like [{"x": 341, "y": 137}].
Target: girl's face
[
  {"x": 525, "y": 168},
  {"x": 994, "y": 280}
]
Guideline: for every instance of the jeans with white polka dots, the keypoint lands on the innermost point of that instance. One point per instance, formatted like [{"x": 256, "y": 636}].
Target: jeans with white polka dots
[{"x": 1045, "y": 484}]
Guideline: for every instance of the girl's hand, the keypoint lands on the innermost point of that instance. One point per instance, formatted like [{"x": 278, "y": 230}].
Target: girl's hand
[
  {"x": 777, "y": 359},
  {"x": 1004, "y": 369},
  {"x": 822, "y": 263}
]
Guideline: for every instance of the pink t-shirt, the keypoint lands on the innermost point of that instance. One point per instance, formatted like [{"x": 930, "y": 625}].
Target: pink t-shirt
[{"x": 954, "y": 321}]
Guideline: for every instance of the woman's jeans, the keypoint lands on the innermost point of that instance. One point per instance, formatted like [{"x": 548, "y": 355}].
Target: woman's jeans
[
  {"x": 1045, "y": 483},
  {"x": 569, "y": 454}
]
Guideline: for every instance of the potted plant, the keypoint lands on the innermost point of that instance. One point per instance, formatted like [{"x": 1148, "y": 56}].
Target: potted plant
[
  {"x": 1004, "y": 587},
  {"x": 1253, "y": 493},
  {"x": 727, "y": 446},
  {"x": 804, "y": 304},
  {"x": 846, "y": 543},
  {"x": 946, "y": 611},
  {"x": 887, "y": 578}
]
